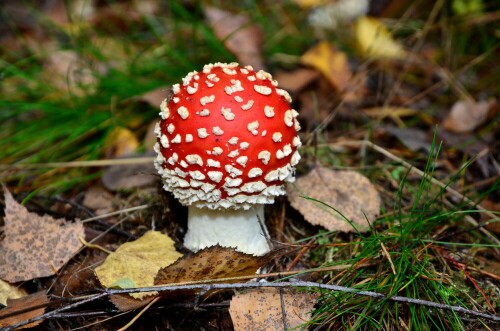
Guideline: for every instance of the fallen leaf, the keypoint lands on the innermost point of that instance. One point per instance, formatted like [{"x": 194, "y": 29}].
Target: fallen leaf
[
  {"x": 125, "y": 302},
  {"x": 349, "y": 192},
  {"x": 211, "y": 263},
  {"x": 120, "y": 142},
  {"x": 9, "y": 291},
  {"x": 155, "y": 97},
  {"x": 373, "y": 40},
  {"x": 465, "y": 116},
  {"x": 98, "y": 199},
  {"x": 332, "y": 63},
  {"x": 26, "y": 305},
  {"x": 296, "y": 80},
  {"x": 35, "y": 246},
  {"x": 129, "y": 176},
  {"x": 413, "y": 138},
  {"x": 139, "y": 261},
  {"x": 272, "y": 309},
  {"x": 240, "y": 36}
]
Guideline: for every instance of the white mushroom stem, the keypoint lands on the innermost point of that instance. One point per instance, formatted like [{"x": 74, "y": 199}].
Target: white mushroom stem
[{"x": 242, "y": 229}]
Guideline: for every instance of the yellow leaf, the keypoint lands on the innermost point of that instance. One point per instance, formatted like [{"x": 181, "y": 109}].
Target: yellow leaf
[
  {"x": 311, "y": 3},
  {"x": 139, "y": 261},
  {"x": 331, "y": 62},
  {"x": 9, "y": 291},
  {"x": 121, "y": 142},
  {"x": 375, "y": 41}
]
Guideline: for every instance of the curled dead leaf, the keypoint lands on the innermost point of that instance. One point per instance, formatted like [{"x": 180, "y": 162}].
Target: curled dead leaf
[
  {"x": 212, "y": 263},
  {"x": 349, "y": 192}
]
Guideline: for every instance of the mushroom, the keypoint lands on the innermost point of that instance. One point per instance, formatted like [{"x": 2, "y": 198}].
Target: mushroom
[{"x": 227, "y": 143}]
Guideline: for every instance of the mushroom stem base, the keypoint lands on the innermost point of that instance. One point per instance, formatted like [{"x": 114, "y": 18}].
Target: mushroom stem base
[{"x": 240, "y": 229}]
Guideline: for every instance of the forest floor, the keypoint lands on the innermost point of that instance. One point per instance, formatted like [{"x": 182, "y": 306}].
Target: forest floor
[{"x": 392, "y": 223}]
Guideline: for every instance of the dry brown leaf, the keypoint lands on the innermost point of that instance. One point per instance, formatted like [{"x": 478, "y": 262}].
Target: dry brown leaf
[
  {"x": 294, "y": 81},
  {"x": 9, "y": 291},
  {"x": 155, "y": 97},
  {"x": 211, "y": 263},
  {"x": 35, "y": 246},
  {"x": 331, "y": 62},
  {"x": 349, "y": 192},
  {"x": 465, "y": 116},
  {"x": 240, "y": 36},
  {"x": 415, "y": 139},
  {"x": 271, "y": 308},
  {"x": 24, "y": 304},
  {"x": 124, "y": 302},
  {"x": 130, "y": 176},
  {"x": 98, "y": 199}
]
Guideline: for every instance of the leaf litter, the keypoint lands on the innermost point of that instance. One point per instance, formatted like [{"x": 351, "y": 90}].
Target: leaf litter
[
  {"x": 371, "y": 38},
  {"x": 212, "y": 264}
]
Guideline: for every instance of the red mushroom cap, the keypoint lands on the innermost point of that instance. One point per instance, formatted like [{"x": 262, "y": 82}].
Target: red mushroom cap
[{"x": 227, "y": 138}]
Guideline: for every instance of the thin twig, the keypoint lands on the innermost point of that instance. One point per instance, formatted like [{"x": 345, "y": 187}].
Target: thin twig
[
  {"x": 210, "y": 287},
  {"x": 118, "y": 212}
]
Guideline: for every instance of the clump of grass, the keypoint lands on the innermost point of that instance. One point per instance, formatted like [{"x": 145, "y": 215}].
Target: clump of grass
[{"x": 403, "y": 259}]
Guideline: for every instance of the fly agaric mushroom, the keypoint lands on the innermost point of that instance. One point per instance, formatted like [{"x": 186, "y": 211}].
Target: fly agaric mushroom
[{"x": 227, "y": 142}]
